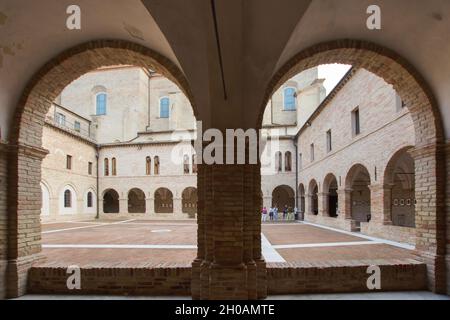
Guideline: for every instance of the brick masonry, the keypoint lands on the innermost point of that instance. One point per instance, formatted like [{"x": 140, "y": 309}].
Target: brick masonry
[
  {"x": 282, "y": 278},
  {"x": 429, "y": 143},
  {"x": 229, "y": 263}
]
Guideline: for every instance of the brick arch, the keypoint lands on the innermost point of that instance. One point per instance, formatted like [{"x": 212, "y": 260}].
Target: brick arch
[
  {"x": 354, "y": 172},
  {"x": 69, "y": 65},
  {"x": 391, "y": 164},
  {"x": 383, "y": 62},
  {"x": 26, "y": 153},
  {"x": 329, "y": 178}
]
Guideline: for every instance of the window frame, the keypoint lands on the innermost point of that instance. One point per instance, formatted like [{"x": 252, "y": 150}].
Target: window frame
[
  {"x": 102, "y": 93},
  {"x": 161, "y": 116},
  {"x": 68, "y": 162},
  {"x": 294, "y": 96}
]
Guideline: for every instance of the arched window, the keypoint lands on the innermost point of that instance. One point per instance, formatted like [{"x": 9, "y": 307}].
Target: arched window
[
  {"x": 186, "y": 164},
  {"x": 288, "y": 161},
  {"x": 290, "y": 102},
  {"x": 156, "y": 169},
  {"x": 106, "y": 166},
  {"x": 148, "y": 165},
  {"x": 67, "y": 199},
  {"x": 100, "y": 107},
  {"x": 114, "y": 166},
  {"x": 164, "y": 104},
  {"x": 89, "y": 200},
  {"x": 278, "y": 161},
  {"x": 194, "y": 164}
]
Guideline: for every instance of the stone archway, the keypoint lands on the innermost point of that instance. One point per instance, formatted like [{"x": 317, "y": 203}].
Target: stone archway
[
  {"x": 313, "y": 198},
  {"x": 283, "y": 196},
  {"x": 330, "y": 194},
  {"x": 358, "y": 181},
  {"x": 429, "y": 150},
  {"x": 302, "y": 200},
  {"x": 399, "y": 179},
  {"x": 163, "y": 201},
  {"x": 189, "y": 201},
  {"x": 26, "y": 151},
  {"x": 111, "y": 201},
  {"x": 136, "y": 201}
]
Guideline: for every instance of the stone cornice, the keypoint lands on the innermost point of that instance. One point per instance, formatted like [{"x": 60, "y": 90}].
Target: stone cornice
[{"x": 32, "y": 151}]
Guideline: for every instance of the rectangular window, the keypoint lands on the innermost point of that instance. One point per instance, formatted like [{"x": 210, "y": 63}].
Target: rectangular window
[
  {"x": 312, "y": 152},
  {"x": 69, "y": 162},
  {"x": 90, "y": 168},
  {"x": 100, "y": 108},
  {"x": 60, "y": 119},
  {"x": 329, "y": 145},
  {"x": 356, "y": 122},
  {"x": 77, "y": 126}
]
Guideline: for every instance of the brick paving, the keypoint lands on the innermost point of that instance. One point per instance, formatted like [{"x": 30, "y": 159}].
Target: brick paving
[{"x": 130, "y": 235}]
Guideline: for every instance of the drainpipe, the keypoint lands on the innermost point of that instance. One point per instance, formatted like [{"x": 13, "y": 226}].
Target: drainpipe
[
  {"x": 296, "y": 177},
  {"x": 97, "y": 155}
]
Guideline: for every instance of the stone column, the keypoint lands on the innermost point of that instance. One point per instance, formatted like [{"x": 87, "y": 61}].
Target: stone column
[
  {"x": 123, "y": 206},
  {"x": 150, "y": 206},
  {"x": 308, "y": 205},
  {"x": 267, "y": 202},
  {"x": 345, "y": 203},
  {"x": 178, "y": 207},
  {"x": 323, "y": 204}
]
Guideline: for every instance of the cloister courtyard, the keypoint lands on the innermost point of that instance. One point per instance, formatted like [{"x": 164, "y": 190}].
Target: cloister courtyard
[{"x": 145, "y": 243}]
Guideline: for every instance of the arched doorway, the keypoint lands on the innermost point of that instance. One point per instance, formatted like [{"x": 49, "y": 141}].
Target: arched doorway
[
  {"x": 302, "y": 203},
  {"x": 400, "y": 178},
  {"x": 358, "y": 181},
  {"x": 330, "y": 187},
  {"x": 163, "y": 201},
  {"x": 313, "y": 195},
  {"x": 189, "y": 201},
  {"x": 111, "y": 201},
  {"x": 136, "y": 201},
  {"x": 282, "y": 197}
]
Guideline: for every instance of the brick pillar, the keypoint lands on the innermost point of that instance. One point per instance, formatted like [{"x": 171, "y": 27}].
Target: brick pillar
[
  {"x": 345, "y": 203},
  {"x": 229, "y": 264},
  {"x": 429, "y": 162},
  {"x": 387, "y": 204},
  {"x": 376, "y": 203},
  {"x": 150, "y": 206},
  {"x": 323, "y": 204},
  {"x": 24, "y": 204},
  {"x": 3, "y": 217},
  {"x": 447, "y": 205}
]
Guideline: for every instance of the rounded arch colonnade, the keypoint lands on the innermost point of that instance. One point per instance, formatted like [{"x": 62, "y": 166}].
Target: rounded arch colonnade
[
  {"x": 214, "y": 181},
  {"x": 429, "y": 149}
]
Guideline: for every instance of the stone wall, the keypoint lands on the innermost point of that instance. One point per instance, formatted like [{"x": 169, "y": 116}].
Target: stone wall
[{"x": 56, "y": 178}]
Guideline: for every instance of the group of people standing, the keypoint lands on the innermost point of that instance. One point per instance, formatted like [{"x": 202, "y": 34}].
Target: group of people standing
[{"x": 273, "y": 214}]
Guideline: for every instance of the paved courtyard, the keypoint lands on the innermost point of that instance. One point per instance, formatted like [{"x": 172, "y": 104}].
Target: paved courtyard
[{"x": 144, "y": 243}]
